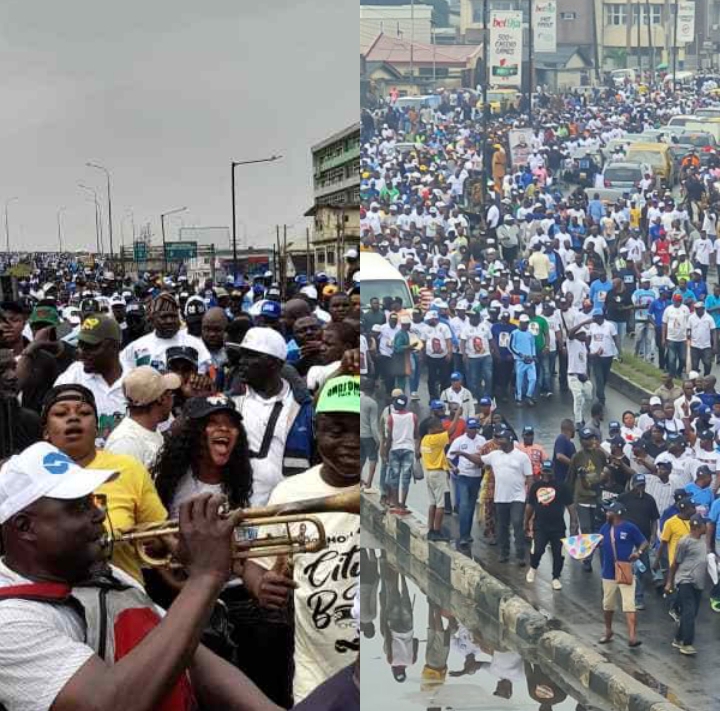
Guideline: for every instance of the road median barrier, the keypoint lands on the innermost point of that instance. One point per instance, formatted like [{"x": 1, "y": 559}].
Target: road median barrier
[{"x": 440, "y": 561}]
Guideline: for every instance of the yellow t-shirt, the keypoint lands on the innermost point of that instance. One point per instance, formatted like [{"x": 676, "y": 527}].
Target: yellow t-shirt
[
  {"x": 432, "y": 449},
  {"x": 673, "y": 530},
  {"x": 129, "y": 499}
]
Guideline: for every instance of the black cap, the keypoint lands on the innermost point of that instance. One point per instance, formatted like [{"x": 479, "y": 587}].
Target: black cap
[
  {"x": 685, "y": 505},
  {"x": 617, "y": 508},
  {"x": 198, "y": 407},
  {"x": 680, "y": 495},
  {"x": 529, "y": 430},
  {"x": 187, "y": 353}
]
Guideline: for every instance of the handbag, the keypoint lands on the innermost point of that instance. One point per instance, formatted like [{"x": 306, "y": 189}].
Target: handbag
[
  {"x": 623, "y": 569},
  {"x": 418, "y": 472}
]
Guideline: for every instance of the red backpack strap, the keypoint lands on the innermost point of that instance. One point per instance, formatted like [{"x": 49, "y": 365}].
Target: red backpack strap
[{"x": 49, "y": 592}]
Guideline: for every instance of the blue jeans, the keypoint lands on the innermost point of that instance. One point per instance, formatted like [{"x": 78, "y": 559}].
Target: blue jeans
[
  {"x": 601, "y": 370},
  {"x": 675, "y": 357},
  {"x": 622, "y": 332},
  {"x": 639, "y": 584},
  {"x": 480, "y": 370},
  {"x": 415, "y": 376},
  {"x": 400, "y": 468},
  {"x": 468, "y": 489},
  {"x": 545, "y": 362},
  {"x": 524, "y": 371}
]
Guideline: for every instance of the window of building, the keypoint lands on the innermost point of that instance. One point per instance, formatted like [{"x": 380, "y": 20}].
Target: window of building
[
  {"x": 640, "y": 11},
  {"x": 477, "y": 12},
  {"x": 568, "y": 15},
  {"x": 615, "y": 14},
  {"x": 320, "y": 256},
  {"x": 437, "y": 72},
  {"x": 330, "y": 258}
]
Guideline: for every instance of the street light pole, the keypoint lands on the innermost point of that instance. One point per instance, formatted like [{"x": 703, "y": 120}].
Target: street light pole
[
  {"x": 59, "y": 214},
  {"x": 233, "y": 164},
  {"x": 7, "y": 228},
  {"x": 109, "y": 200},
  {"x": 162, "y": 229},
  {"x": 97, "y": 214}
]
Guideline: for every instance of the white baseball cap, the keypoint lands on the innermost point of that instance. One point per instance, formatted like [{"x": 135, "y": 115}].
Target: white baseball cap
[
  {"x": 351, "y": 254},
  {"x": 42, "y": 471},
  {"x": 524, "y": 318},
  {"x": 310, "y": 292},
  {"x": 267, "y": 341}
]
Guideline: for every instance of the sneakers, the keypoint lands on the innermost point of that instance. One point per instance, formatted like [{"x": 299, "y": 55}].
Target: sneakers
[
  {"x": 640, "y": 605},
  {"x": 687, "y": 649},
  {"x": 677, "y": 643},
  {"x": 556, "y": 584},
  {"x": 414, "y": 396},
  {"x": 715, "y": 605},
  {"x": 530, "y": 402},
  {"x": 530, "y": 577},
  {"x": 674, "y": 615}
]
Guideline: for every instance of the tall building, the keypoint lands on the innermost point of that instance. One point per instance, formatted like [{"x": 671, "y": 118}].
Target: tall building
[{"x": 336, "y": 193}]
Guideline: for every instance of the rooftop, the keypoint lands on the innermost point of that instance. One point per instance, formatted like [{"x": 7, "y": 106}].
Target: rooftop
[{"x": 395, "y": 50}]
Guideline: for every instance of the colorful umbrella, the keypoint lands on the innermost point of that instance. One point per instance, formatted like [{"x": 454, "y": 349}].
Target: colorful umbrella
[{"x": 581, "y": 546}]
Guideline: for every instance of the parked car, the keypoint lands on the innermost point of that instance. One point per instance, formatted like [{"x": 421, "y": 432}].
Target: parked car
[{"x": 624, "y": 176}]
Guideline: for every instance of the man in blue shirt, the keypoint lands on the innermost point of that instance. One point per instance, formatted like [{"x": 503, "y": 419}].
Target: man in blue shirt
[
  {"x": 644, "y": 324},
  {"x": 656, "y": 311},
  {"x": 712, "y": 306},
  {"x": 700, "y": 491},
  {"x": 599, "y": 290},
  {"x": 622, "y": 543},
  {"x": 596, "y": 209},
  {"x": 713, "y": 535},
  {"x": 697, "y": 286},
  {"x": 522, "y": 346}
]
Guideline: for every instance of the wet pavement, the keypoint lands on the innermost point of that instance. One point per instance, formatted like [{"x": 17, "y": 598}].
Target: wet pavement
[
  {"x": 578, "y": 604},
  {"x": 419, "y": 650}
]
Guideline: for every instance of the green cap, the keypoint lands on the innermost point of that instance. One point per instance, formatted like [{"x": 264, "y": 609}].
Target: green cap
[
  {"x": 340, "y": 394},
  {"x": 45, "y": 314},
  {"x": 97, "y": 328}
]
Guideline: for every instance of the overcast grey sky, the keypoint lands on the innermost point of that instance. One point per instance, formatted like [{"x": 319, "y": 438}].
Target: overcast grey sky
[{"x": 165, "y": 93}]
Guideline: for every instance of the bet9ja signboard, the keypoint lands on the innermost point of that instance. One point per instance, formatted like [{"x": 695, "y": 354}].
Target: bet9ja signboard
[{"x": 505, "y": 56}]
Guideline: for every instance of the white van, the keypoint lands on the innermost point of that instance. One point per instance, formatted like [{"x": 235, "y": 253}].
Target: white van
[
  {"x": 380, "y": 279},
  {"x": 620, "y": 75}
]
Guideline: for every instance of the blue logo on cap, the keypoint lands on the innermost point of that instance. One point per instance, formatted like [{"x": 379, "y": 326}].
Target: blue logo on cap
[{"x": 57, "y": 463}]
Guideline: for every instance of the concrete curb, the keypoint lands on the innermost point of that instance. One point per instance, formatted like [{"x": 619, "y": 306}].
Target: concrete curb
[
  {"x": 628, "y": 387},
  {"x": 469, "y": 579}
]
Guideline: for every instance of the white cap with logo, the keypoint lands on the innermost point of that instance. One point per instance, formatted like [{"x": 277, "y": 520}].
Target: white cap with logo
[
  {"x": 265, "y": 340},
  {"x": 42, "y": 471}
]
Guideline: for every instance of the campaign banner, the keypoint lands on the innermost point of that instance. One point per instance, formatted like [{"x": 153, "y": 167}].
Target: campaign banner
[
  {"x": 685, "y": 23},
  {"x": 506, "y": 47},
  {"x": 519, "y": 140},
  {"x": 544, "y": 25}
]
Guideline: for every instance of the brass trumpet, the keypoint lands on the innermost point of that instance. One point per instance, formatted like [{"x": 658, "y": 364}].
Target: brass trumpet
[{"x": 243, "y": 547}]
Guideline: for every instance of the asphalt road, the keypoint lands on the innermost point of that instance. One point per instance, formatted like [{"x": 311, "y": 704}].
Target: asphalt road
[{"x": 687, "y": 681}]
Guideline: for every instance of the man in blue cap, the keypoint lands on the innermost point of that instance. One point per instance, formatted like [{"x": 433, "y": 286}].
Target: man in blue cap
[
  {"x": 469, "y": 478},
  {"x": 459, "y": 394}
]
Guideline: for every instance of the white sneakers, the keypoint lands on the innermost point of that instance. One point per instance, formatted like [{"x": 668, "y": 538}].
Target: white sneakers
[{"x": 530, "y": 578}]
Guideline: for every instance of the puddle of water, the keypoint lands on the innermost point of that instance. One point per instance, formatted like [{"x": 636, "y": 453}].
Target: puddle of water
[{"x": 416, "y": 652}]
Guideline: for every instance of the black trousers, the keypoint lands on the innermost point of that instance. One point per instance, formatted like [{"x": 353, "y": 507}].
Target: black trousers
[
  {"x": 541, "y": 539},
  {"x": 562, "y": 378},
  {"x": 688, "y": 600},
  {"x": 438, "y": 375},
  {"x": 662, "y": 360}
]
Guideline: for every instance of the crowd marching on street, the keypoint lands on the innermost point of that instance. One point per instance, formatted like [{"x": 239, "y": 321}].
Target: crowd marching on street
[
  {"x": 133, "y": 402},
  {"x": 525, "y": 281}
]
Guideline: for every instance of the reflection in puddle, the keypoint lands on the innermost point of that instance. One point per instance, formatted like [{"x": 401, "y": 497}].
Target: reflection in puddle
[{"x": 416, "y": 654}]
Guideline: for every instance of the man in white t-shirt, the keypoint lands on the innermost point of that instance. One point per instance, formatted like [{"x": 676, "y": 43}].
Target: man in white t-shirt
[
  {"x": 438, "y": 353},
  {"x": 604, "y": 347},
  {"x": 477, "y": 357},
  {"x": 469, "y": 477},
  {"x": 700, "y": 329},
  {"x": 512, "y": 471},
  {"x": 324, "y": 581},
  {"x": 151, "y": 348},
  {"x": 50, "y": 652},
  {"x": 149, "y": 397},
  {"x": 674, "y": 334}
]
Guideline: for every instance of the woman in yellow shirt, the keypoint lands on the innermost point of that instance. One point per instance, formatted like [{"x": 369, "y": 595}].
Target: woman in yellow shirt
[{"x": 69, "y": 420}]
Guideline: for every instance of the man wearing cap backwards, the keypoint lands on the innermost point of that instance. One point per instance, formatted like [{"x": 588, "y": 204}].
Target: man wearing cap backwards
[
  {"x": 469, "y": 478},
  {"x": 459, "y": 395},
  {"x": 149, "y": 397},
  {"x": 324, "y": 582},
  {"x": 151, "y": 348},
  {"x": 547, "y": 501},
  {"x": 52, "y": 531},
  {"x": 701, "y": 327},
  {"x": 99, "y": 369},
  {"x": 623, "y": 543}
]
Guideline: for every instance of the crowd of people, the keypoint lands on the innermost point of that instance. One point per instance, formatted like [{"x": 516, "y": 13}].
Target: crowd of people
[
  {"x": 132, "y": 401},
  {"x": 523, "y": 285}
]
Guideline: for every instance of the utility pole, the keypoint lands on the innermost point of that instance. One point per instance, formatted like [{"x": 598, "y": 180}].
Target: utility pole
[
  {"x": 412, "y": 40},
  {"x": 233, "y": 165},
  {"x": 531, "y": 62},
  {"x": 109, "y": 201},
  {"x": 651, "y": 49},
  {"x": 675, "y": 47},
  {"x": 98, "y": 226},
  {"x": 59, "y": 225},
  {"x": 639, "y": 39},
  {"x": 485, "y": 107},
  {"x": 7, "y": 228},
  {"x": 309, "y": 259}
]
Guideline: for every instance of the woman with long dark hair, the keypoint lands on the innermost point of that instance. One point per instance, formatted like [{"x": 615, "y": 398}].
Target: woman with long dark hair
[{"x": 207, "y": 453}]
